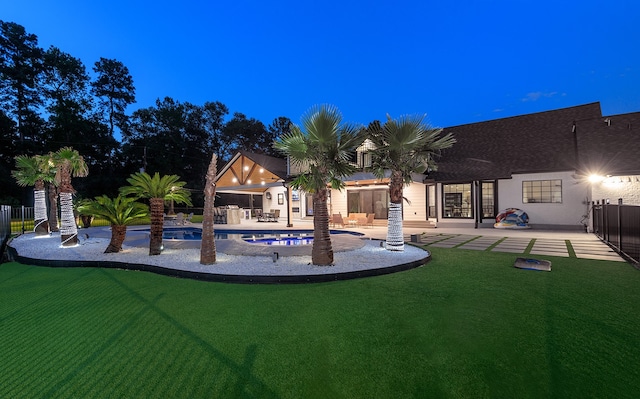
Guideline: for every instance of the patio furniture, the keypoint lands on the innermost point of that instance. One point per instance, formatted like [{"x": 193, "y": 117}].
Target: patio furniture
[
  {"x": 219, "y": 215},
  {"x": 354, "y": 219},
  {"x": 336, "y": 219},
  {"x": 268, "y": 217},
  {"x": 170, "y": 220},
  {"x": 188, "y": 218},
  {"x": 179, "y": 221},
  {"x": 369, "y": 220}
]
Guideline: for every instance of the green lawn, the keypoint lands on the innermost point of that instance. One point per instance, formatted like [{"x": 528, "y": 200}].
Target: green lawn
[{"x": 465, "y": 325}]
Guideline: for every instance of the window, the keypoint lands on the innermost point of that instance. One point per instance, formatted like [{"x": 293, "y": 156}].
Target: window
[
  {"x": 488, "y": 199},
  {"x": 457, "y": 201},
  {"x": 542, "y": 191},
  {"x": 431, "y": 201}
]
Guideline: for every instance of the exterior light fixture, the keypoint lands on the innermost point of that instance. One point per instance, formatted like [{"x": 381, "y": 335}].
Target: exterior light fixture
[
  {"x": 595, "y": 178},
  {"x": 234, "y": 180},
  {"x": 246, "y": 168},
  {"x": 249, "y": 181},
  {"x": 261, "y": 170}
]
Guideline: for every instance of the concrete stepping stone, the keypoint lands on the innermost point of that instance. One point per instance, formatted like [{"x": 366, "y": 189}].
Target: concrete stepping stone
[
  {"x": 480, "y": 244},
  {"x": 513, "y": 245}
]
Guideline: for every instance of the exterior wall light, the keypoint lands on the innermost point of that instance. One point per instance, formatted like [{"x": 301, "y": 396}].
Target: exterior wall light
[{"x": 595, "y": 178}]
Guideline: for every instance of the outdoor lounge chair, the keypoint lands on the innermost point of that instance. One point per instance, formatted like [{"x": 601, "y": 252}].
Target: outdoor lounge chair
[
  {"x": 336, "y": 219},
  {"x": 179, "y": 219},
  {"x": 188, "y": 218},
  {"x": 369, "y": 220}
]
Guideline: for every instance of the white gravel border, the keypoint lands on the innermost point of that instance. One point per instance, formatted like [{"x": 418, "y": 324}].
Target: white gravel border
[{"x": 370, "y": 256}]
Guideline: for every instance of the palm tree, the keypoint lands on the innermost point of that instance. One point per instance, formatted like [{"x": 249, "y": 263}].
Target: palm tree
[
  {"x": 32, "y": 171},
  {"x": 68, "y": 163},
  {"x": 323, "y": 149},
  {"x": 158, "y": 190},
  {"x": 404, "y": 146},
  {"x": 208, "y": 246},
  {"x": 120, "y": 212},
  {"x": 52, "y": 191}
]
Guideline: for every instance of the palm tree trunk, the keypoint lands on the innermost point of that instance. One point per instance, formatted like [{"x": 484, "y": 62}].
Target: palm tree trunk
[
  {"x": 321, "y": 252},
  {"x": 157, "y": 220},
  {"x": 40, "y": 225},
  {"x": 53, "y": 207},
  {"x": 208, "y": 246},
  {"x": 68, "y": 228},
  {"x": 395, "y": 238},
  {"x": 118, "y": 234}
]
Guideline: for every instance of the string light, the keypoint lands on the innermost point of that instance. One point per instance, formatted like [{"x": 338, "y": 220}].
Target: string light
[
  {"x": 39, "y": 208},
  {"x": 395, "y": 239},
  {"x": 67, "y": 225}
]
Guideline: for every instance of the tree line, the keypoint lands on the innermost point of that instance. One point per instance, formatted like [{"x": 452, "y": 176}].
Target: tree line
[{"x": 49, "y": 100}]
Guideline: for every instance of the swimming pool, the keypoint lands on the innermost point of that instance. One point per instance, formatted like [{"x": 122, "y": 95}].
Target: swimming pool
[{"x": 264, "y": 237}]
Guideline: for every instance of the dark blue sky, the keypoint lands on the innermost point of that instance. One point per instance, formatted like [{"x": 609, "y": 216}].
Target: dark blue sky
[{"x": 457, "y": 61}]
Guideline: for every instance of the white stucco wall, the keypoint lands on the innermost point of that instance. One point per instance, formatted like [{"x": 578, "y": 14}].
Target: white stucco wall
[
  {"x": 575, "y": 196},
  {"x": 416, "y": 208},
  {"x": 269, "y": 204},
  {"x": 338, "y": 202},
  {"x": 613, "y": 188}
]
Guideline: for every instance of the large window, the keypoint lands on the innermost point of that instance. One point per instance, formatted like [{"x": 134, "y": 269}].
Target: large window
[
  {"x": 488, "y": 199},
  {"x": 457, "y": 201},
  {"x": 543, "y": 191}
]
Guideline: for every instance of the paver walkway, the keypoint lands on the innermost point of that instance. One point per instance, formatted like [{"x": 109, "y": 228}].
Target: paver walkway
[{"x": 585, "y": 249}]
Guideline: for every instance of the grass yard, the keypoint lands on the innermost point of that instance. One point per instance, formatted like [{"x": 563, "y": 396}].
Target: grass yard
[{"x": 466, "y": 325}]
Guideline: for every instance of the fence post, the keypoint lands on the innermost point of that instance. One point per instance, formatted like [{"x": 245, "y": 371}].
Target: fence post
[
  {"x": 605, "y": 220},
  {"x": 22, "y": 215},
  {"x": 620, "y": 224}
]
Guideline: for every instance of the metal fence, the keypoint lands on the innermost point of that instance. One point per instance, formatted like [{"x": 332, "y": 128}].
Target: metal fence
[
  {"x": 619, "y": 226},
  {"x": 5, "y": 227},
  {"x": 21, "y": 218}
]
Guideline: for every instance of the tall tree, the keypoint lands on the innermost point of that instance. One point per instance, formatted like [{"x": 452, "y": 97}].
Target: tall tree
[
  {"x": 20, "y": 69},
  {"x": 175, "y": 136},
  {"x": 119, "y": 212},
  {"x": 279, "y": 126},
  {"x": 66, "y": 84},
  {"x": 69, "y": 163},
  {"x": 8, "y": 136},
  {"x": 214, "y": 113},
  {"x": 154, "y": 139},
  {"x": 158, "y": 190},
  {"x": 33, "y": 171},
  {"x": 115, "y": 90},
  {"x": 249, "y": 134},
  {"x": 404, "y": 146},
  {"x": 322, "y": 147},
  {"x": 208, "y": 246}
]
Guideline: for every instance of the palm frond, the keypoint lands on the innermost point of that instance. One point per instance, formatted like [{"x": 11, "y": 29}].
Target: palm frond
[
  {"x": 118, "y": 211},
  {"x": 167, "y": 187}
]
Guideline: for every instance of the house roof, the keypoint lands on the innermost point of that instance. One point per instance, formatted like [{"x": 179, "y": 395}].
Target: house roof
[
  {"x": 609, "y": 145},
  {"x": 539, "y": 142},
  {"x": 247, "y": 171}
]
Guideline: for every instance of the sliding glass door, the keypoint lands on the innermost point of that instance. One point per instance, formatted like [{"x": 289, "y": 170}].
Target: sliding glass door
[{"x": 368, "y": 201}]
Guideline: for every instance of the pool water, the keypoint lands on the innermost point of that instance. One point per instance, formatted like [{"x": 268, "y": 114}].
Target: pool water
[
  {"x": 279, "y": 239},
  {"x": 264, "y": 237}
]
